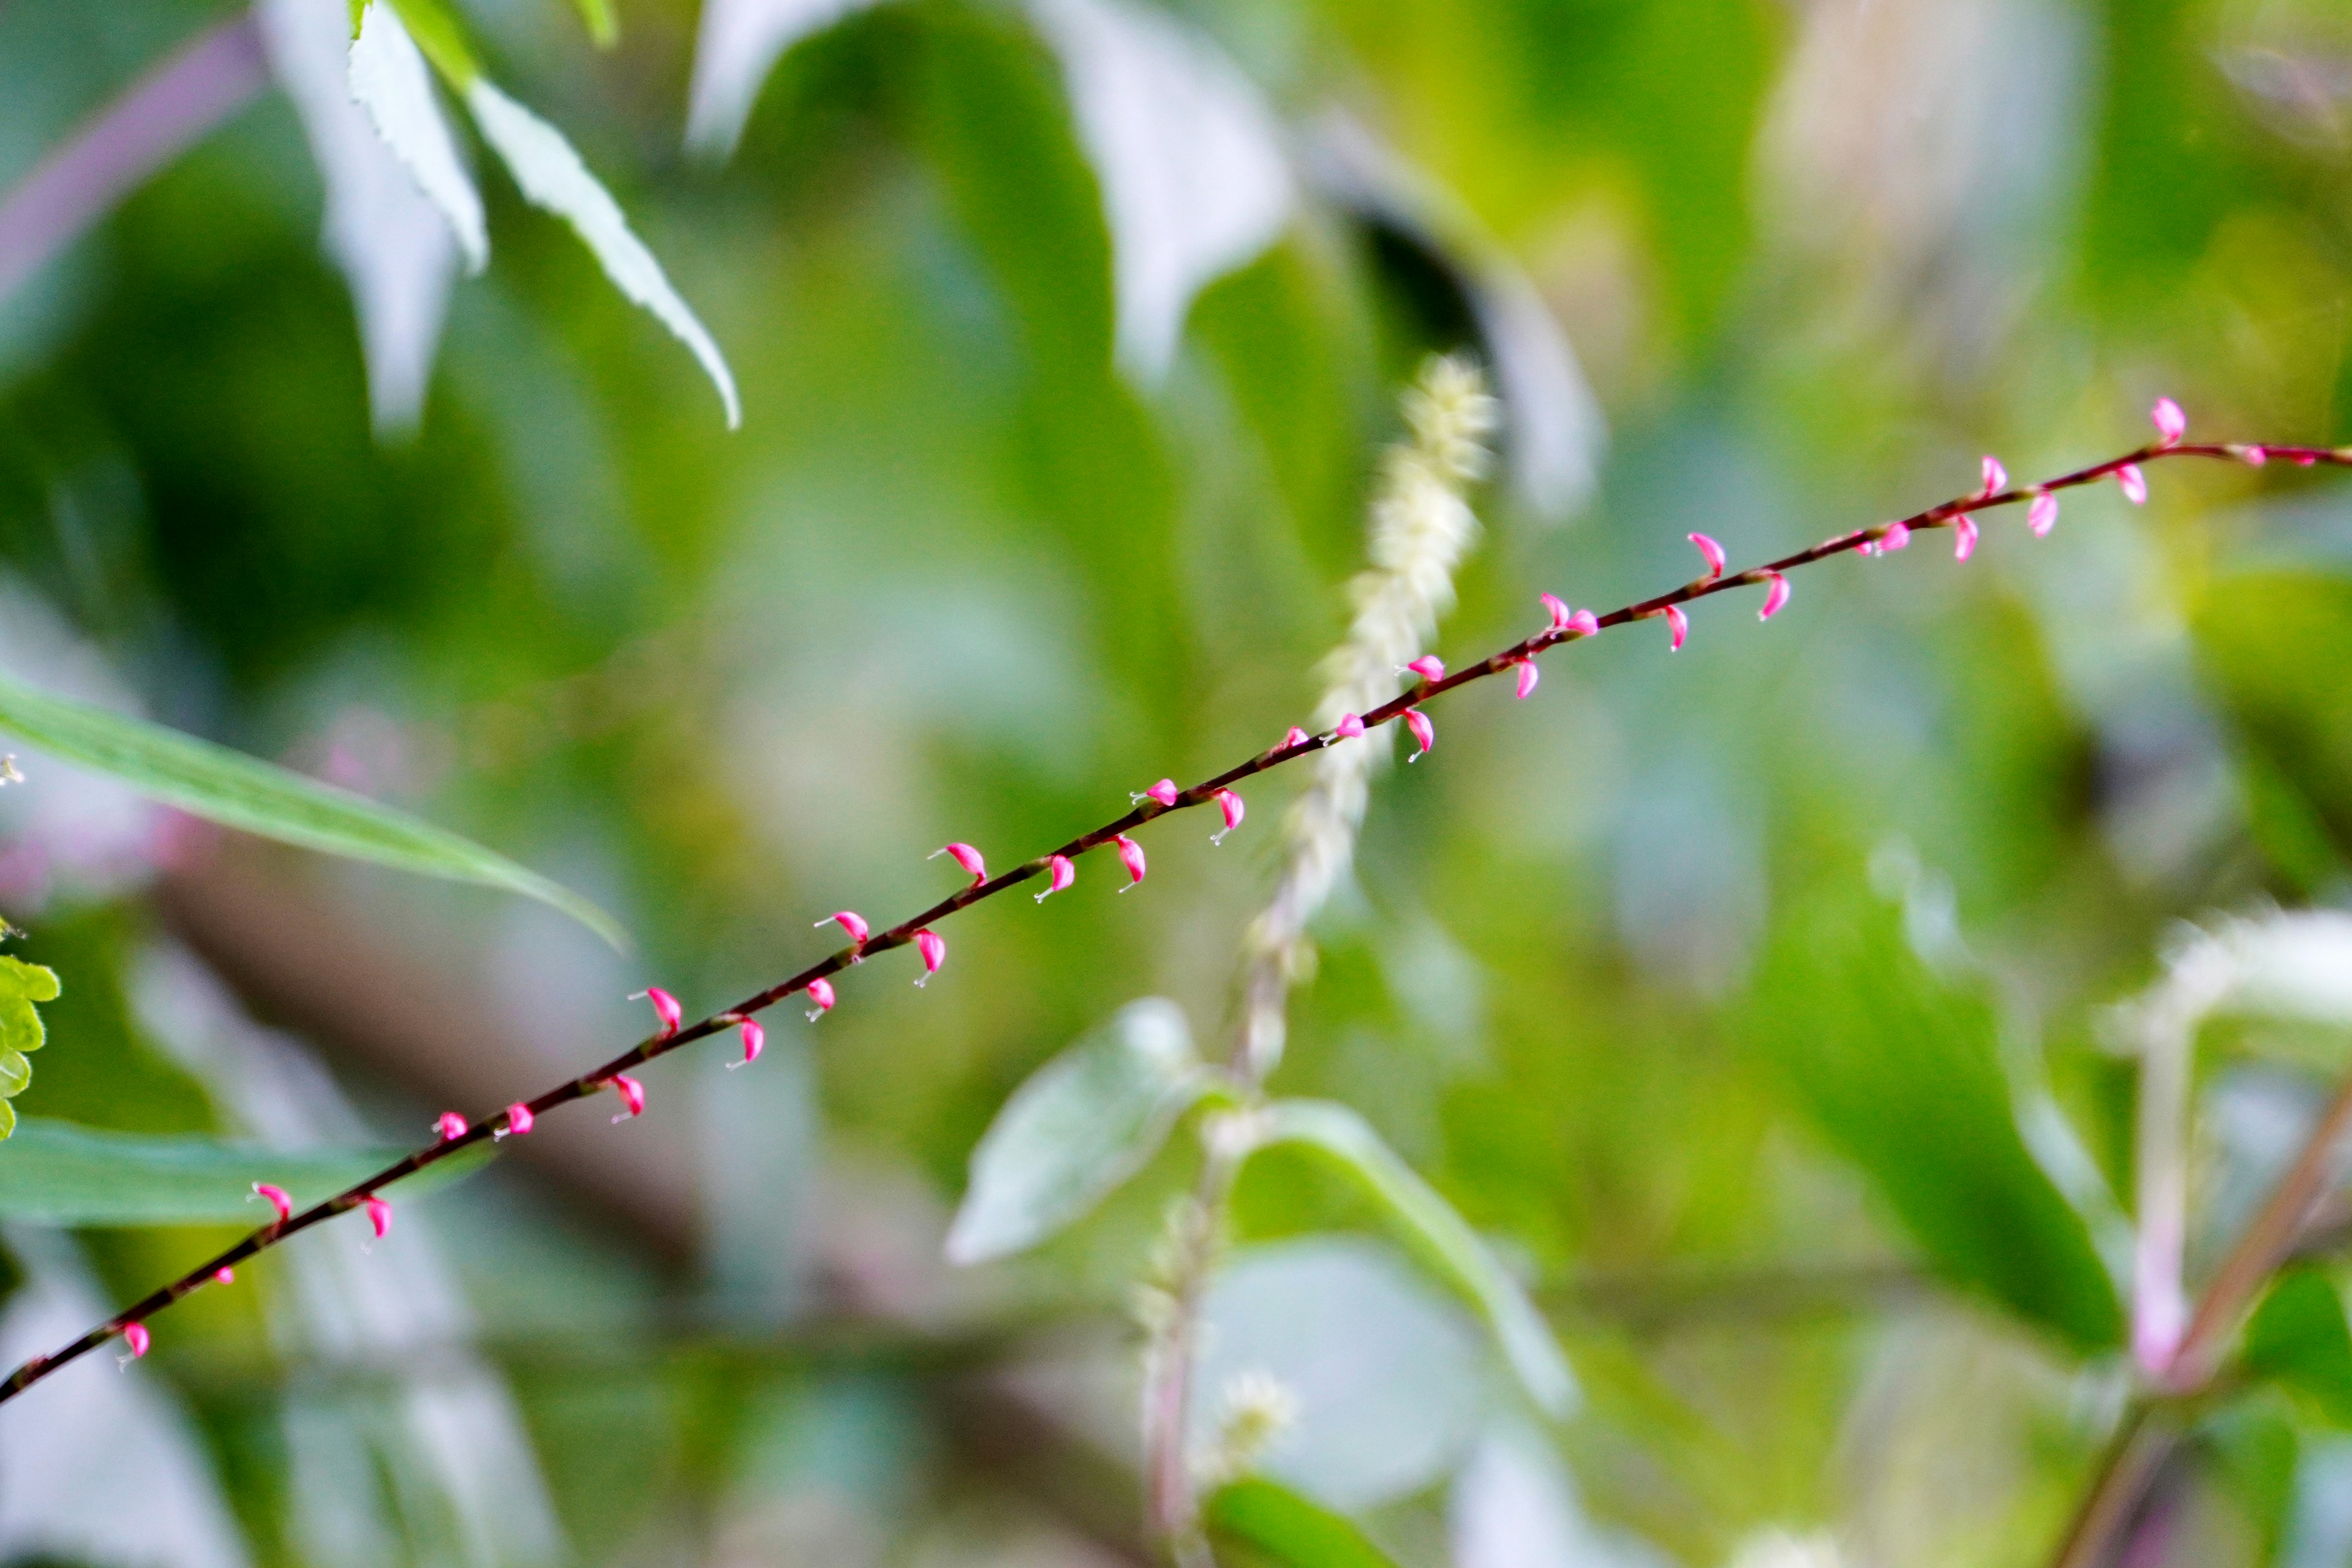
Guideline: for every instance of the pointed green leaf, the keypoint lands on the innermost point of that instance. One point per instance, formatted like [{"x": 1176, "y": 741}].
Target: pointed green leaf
[
  {"x": 1277, "y": 1525},
  {"x": 388, "y": 80},
  {"x": 55, "y": 1173},
  {"x": 1083, "y": 1123},
  {"x": 1441, "y": 1236},
  {"x": 552, "y": 177},
  {"x": 241, "y": 791},
  {"x": 441, "y": 35}
]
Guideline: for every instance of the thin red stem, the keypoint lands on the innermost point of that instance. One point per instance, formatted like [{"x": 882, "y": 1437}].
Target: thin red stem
[{"x": 901, "y": 934}]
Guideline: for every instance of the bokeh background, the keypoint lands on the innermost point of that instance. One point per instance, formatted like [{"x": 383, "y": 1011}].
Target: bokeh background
[{"x": 1751, "y": 1000}]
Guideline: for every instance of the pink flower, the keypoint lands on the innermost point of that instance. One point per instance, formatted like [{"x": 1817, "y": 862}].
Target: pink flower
[
  {"x": 1897, "y": 535},
  {"x": 666, "y": 1008},
  {"x": 1996, "y": 477},
  {"x": 2043, "y": 515},
  {"x": 1429, "y": 666},
  {"x": 755, "y": 1036},
  {"x": 2171, "y": 424},
  {"x": 1680, "y": 624},
  {"x": 2255, "y": 457},
  {"x": 379, "y": 1215},
  {"x": 224, "y": 1275},
  {"x": 135, "y": 1336},
  {"x": 1528, "y": 678},
  {"x": 633, "y": 1096},
  {"x": 933, "y": 950},
  {"x": 1558, "y": 610},
  {"x": 2134, "y": 484},
  {"x": 1964, "y": 537},
  {"x": 1349, "y": 727},
  {"x": 1712, "y": 551},
  {"x": 965, "y": 856},
  {"x": 449, "y": 1127},
  {"x": 277, "y": 1198},
  {"x": 1059, "y": 874},
  {"x": 1776, "y": 594},
  {"x": 820, "y": 990},
  {"x": 1296, "y": 737},
  {"x": 1235, "y": 809},
  {"x": 519, "y": 1119},
  {"x": 1130, "y": 854},
  {"x": 1164, "y": 792},
  {"x": 852, "y": 923},
  {"x": 1584, "y": 623},
  {"x": 1423, "y": 733}
]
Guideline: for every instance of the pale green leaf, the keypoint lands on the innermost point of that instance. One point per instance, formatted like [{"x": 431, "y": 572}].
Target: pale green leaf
[
  {"x": 1275, "y": 1524},
  {"x": 241, "y": 791},
  {"x": 1443, "y": 1236},
  {"x": 603, "y": 26},
  {"x": 388, "y": 80},
  {"x": 55, "y": 1173},
  {"x": 551, "y": 176},
  {"x": 442, "y": 36},
  {"x": 21, "y": 985},
  {"x": 1083, "y": 1123}
]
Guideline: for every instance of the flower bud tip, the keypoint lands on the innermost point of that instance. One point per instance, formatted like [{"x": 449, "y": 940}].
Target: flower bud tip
[
  {"x": 519, "y": 1119},
  {"x": 1964, "y": 537},
  {"x": 632, "y": 1093},
  {"x": 1679, "y": 624},
  {"x": 664, "y": 1006},
  {"x": 1429, "y": 666},
  {"x": 1130, "y": 854},
  {"x": 1234, "y": 808},
  {"x": 820, "y": 990},
  {"x": 1996, "y": 477},
  {"x": 1423, "y": 733},
  {"x": 1349, "y": 727},
  {"x": 2171, "y": 424},
  {"x": 276, "y": 1197},
  {"x": 2133, "y": 483},
  {"x": 2043, "y": 515},
  {"x": 1776, "y": 596},
  {"x": 934, "y": 952},
  {"x": 1711, "y": 551},
  {"x": 379, "y": 1215},
  {"x": 1528, "y": 678},
  {"x": 965, "y": 856},
  {"x": 851, "y": 921},
  {"x": 1164, "y": 792},
  {"x": 1059, "y": 874}
]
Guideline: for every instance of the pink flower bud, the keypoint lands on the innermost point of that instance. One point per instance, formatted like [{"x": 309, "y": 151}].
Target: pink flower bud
[
  {"x": 1964, "y": 537},
  {"x": 1557, "y": 607},
  {"x": 633, "y": 1096},
  {"x": 1584, "y": 623},
  {"x": 135, "y": 1336},
  {"x": 965, "y": 856},
  {"x": 2304, "y": 459},
  {"x": 224, "y": 1275},
  {"x": 519, "y": 1119},
  {"x": 2255, "y": 457},
  {"x": 1996, "y": 477},
  {"x": 2133, "y": 483},
  {"x": 1423, "y": 733},
  {"x": 379, "y": 1215},
  {"x": 1680, "y": 624},
  {"x": 1165, "y": 792},
  {"x": 1528, "y": 678},
  {"x": 1296, "y": 737},
  {"x": 1429, "y": 666},
  {"x": 1349, "y": 727},
  {"x": 933, "y": 950},
  {"x": 666, "y": 1008},
  {"x": 1776, "y": 594},
  {"x": 1897, "y": 536},
  {"x": 820, "y": 990},
  {"x": 1234, "y": 808},
  {"x": 755, "y": 1037},
  {"x": 277, "y": 1198},
  {"x": 449, "y": 1127},
  {"x": 2043, "y": 515},
  {"x": 851, "y": 921},
  {"x": 1059, "y": 874},
  {"x": 1713, "y": 553},
  {"x": 2170, "y": 422},
  {"x": 1130, "y": 854}
]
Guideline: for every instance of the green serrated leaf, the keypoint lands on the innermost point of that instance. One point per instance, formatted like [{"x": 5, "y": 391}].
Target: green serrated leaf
[
  {"x": 1079, "y": 1126},
  {"x": 21, "y": 985},
  {"x": 1275, "y": 1523},
  {"x": 241, "y": 791},
  {"x": 1442, "y": 1237},
  {"x": 55, "y": 1173}
]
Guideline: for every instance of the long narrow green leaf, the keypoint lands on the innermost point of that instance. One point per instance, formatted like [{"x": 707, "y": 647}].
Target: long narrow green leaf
[
  {"x": 55, "y": 1173},
  {"x": 241, "y": 791},
  {"x": 1274, "y": 1522},
  {"x": 1443, "y": 1236}
]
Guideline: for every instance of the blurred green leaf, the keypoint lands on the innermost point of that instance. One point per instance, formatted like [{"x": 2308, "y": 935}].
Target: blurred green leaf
[
  {"x": 21, "y": 1030},
  {"x": 1902, "y": 1075},
  {"x": 1275, "y": 1523},
  {"x": 603, "y": 26},
  {"x": 2299, "y": 1338},
  {"x": 1079, "y": 1126},
  {"x": 1441, "y": 1236},
  {"x": 552, "y": 178},
  {"x": 441, "y": 35},
  {"x": 241, "y": 791},
  {"x": 55, "y": 1173}
]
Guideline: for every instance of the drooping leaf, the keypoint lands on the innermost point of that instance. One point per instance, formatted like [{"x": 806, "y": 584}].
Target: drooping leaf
[
  {"x": 1083, "y": 1123},
  {"x": 55, "y": 1173},
  {"x": 2299, "y": 1338},
  {"x": 387, "y": 78},
  {"x": 1440, "y": 1233},
  {"x": 241, "y": 791},
  {"x": 21, "y": 1030},
  {"x": 737, "y": 44},
  {"x": 1275, "y": 1525},
  {"x": 1901, "y": 1073},
  {"x": 551, "y": 176}
]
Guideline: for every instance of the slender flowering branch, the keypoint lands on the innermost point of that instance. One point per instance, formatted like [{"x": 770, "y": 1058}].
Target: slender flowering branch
[{"x": 130, "y": 1324}]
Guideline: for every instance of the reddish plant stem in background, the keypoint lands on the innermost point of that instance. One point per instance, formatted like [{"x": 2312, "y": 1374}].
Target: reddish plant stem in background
[{"x": 904, "y": 932}]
